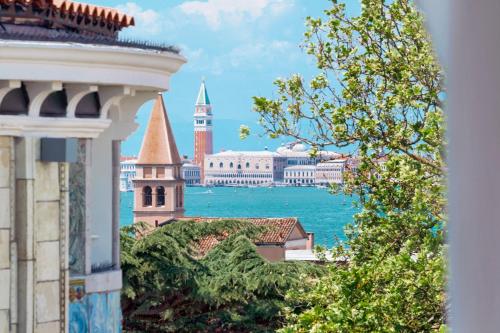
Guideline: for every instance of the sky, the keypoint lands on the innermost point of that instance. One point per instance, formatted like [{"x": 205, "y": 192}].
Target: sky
[{"x": 239, "y": 46}]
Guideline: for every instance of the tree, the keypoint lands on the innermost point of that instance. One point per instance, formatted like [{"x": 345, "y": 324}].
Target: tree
[
  {"x": 379, "y": 92},
  {"x": 168, "y": 288}
]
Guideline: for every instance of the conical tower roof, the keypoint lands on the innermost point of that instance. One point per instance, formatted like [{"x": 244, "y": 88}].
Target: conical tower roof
[
  {"x": 203, "y": 95},
  {"x": 158, "y": 145}
]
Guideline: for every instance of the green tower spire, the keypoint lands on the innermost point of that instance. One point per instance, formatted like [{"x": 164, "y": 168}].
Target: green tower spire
[{"x": 203, "y": 95}]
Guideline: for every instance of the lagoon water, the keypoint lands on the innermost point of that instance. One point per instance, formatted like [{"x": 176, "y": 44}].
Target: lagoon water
[{"x": 318, "y": 211}]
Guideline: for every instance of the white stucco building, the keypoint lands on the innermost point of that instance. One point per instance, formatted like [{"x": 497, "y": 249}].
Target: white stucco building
[
  {"x": 191, "y": 173},
  {"x": 300, "y": 175},
  {"x": 69, "y": 93},
  {"x": 244, "y": 168},
  {"x": 330, "y": 172},
  {"x": 127, "y": 173},
  {"x": 291, "y": 165}
]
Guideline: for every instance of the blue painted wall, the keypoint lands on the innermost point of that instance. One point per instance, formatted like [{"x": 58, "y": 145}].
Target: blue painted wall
[{"x": 95, "y": 313}]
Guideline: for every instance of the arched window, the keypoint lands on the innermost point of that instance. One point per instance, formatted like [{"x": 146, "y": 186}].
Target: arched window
[
  {"x": 231, "y": 165},
  {"x": 147, "y": 196},
  {"x": 257, "y": 166},
  {"x": 239, "y": 166},
  {"x": 160, "y": 196},
  {"x": 89, "y": 106},
  {"x": 211, "y": 164},
  {"x": 55, "y": 105},
  {"x": 248, "y": 165},
  {"x": 16, "y": 102},
  {"x": 221, "y": 165}
]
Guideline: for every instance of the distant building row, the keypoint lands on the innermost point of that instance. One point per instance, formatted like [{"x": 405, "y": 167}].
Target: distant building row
[{"x": 288, "y": 166}]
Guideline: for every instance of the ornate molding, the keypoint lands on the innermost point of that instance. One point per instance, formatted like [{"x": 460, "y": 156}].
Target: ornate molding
[
  {"x": 111, "y": 96},
  {"x": 87, "y": 64},
  {"x": 52, "y": 127},
  {"x": 64, "y": 243}
]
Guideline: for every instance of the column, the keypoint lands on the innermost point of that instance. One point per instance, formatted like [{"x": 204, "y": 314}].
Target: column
[
  {"x": 8, "y": 284},
  {"x": 49, "y": 247},
  {"x": 116, "y": 202},
  {"x": 24, "y": 210},
  {"x": 474, "y": 165}
]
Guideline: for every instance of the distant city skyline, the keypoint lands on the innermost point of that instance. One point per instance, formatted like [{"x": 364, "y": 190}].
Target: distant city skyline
[{"x": 240, "y": 47}]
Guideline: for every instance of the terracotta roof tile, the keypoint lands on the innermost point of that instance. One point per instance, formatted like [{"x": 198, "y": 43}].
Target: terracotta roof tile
[
  {"x": 158, "y": 146},
  {"x": 109, "y": 14},
  {"x": 278, "y": 231}
]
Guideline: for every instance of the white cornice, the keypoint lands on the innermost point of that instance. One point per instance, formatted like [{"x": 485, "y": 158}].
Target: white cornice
[
  {"x": 52, "y": 127},
  {"x": 90, "y": 64}
]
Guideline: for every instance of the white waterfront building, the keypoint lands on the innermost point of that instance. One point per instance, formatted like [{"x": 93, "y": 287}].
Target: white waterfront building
[
  {"x": 292, "y": 165},
  {"x": 300, "y": 175},
  {"x": 244, "y": 168},
  {"x": 127, "y": 174},
  {"x": 330, "y": 172},
  {"x": 191, "y": 173}
]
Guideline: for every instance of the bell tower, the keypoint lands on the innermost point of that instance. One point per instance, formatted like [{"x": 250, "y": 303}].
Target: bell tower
[
  {"x": 158, "y": 186},
  {"x": 203, "y": 138}
]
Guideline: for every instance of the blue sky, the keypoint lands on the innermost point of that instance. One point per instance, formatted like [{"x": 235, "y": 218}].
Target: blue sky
[{"x": 239, "y": 46}]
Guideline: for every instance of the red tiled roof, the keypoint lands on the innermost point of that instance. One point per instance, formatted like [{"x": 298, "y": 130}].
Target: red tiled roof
[
  {"x": 277, "y": 233},
  {"x": 158, "y": 146},
  {"x": 109, "y": 15}
]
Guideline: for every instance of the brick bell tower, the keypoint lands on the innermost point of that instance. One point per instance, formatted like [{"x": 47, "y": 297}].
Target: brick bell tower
[
  {"x": 203, "y": 138},
  {"x": 158, "y": 186}
]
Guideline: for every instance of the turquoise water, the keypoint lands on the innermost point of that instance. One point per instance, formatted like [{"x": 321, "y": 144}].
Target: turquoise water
[{"x": 318, "y": 211}]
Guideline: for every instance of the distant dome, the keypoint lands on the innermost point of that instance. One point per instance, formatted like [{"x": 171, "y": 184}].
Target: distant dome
[
  {"x": 282, "y": 150},
  {"x": 299, "y": 148}
]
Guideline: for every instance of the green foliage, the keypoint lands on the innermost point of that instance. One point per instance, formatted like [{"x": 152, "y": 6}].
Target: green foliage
[
  {"x": 379, "y": 92},
  {"x": 244, "y": 132},
  {"x": 231, "y": 289}
]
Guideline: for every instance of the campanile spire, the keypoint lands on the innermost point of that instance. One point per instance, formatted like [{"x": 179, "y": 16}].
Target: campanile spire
[
  {"x": 158, "y": 186},
  {"x": 203, "y": 138}
]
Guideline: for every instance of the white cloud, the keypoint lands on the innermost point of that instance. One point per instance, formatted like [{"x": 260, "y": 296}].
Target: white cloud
[
  {"x": 234, "y": 11},
  {"x": 261, "y": 53},
  {"x": 255, "y": 55},
  {"x": 146, "y": 20}
]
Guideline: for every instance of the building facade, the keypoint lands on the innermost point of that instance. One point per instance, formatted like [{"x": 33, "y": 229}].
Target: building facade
[
  {"x": 203, "y": 136},
  {"x": 239, "y": 168},
  {"x": 69, "y": 93},
  {"x": 158, "y": 185},
  {"x": 330, "y": 172},
  {"x": 127, "y": 173},
  {"x": 191, "y": 173},
  {"x": 300, "y": 175}
]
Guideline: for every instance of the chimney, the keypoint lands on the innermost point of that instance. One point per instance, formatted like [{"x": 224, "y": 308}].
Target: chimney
[{"x": 310, "y": 241}]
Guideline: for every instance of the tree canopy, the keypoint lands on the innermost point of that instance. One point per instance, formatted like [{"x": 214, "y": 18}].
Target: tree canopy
[
  {"x": 168, "y": 288},
  {"x": 378, "y": 92}
]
